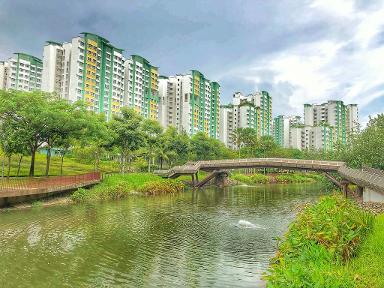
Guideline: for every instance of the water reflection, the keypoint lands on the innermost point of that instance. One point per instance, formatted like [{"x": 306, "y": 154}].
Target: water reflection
[{"x": 190, "y": 240}]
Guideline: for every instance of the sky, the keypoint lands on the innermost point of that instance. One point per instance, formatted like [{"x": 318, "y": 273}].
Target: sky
[{"x": 301, "y": 51}]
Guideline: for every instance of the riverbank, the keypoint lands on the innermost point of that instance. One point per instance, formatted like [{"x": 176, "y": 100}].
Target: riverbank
[
  {"x": 119, "y": 186},
  {"x": 276, "y": 178},
  {"x": 333, "y": 243}
]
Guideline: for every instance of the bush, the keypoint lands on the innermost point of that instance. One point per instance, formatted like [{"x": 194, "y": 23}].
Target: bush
[
  {"x": 120, "y": 186},
  {"x": 162, "y": 187},
  {"x": 259, "y": 179},
  {"x": 322, "y": 237},
  {"x": 294, "y": 178}
]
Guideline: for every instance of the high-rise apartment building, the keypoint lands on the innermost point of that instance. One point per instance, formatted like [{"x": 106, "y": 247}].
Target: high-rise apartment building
[
  {"x": 264, "y": 101},
  {"x": 190, "y": 103},
  {"x": 4, "y": 70},
  {"x": 88, "y": 68},
  {"x": 343, "y": 118},
  {"x": 21, "y": 72},
  {"x": 142, "y": 87},
  {"x": 304, "y": 137},
  {"x": 281, "y": 129},
  {"x": 251, "y": 111}
]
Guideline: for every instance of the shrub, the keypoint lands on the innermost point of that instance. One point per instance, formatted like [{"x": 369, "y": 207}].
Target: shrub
[
  {"x": 120, "y": 186},
  {"x": 321, "y": 238},
  {"x": 259, "y": 179},
  {"x": 162, "y": 187},
  {"x": 294, "y": 178},
  {"x": 253, "y": 179}
]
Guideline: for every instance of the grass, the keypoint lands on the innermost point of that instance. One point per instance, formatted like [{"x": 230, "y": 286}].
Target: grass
[
  {"x": 367, "y": 267},
  {"x": 251, "y": 179},
  {"x": 119, "y": 186},
  {"x": 322, "y": 239},
  {"x": 295, "y": 177},
  {"x": 70, "y": 166}
]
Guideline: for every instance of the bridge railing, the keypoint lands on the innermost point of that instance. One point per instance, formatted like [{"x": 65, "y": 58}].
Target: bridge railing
[{"x": 53, "y": 182}]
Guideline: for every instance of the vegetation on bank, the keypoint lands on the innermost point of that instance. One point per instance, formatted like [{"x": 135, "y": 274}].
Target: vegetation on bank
[
  {"x": 31, "y": 121},
  {"x": 367, "y": 267},
  {"x": 119, "y": 186},
  {"x": 71, "y": 166},
  {"x": 295, "y": 177},
  {"x": 318, "y": 244}
]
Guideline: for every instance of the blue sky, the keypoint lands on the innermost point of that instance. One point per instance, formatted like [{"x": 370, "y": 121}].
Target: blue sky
[{"x": 302, "y": 51}]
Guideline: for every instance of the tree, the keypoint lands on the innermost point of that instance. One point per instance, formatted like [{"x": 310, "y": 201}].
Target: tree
[
  {"x": 29, "y": 113},
  {"x": 66, "y": 121},
  {"x": 179, "y": 143},
  {"x": 97, "y": 136},
  {"x": 128, "y": 135},
  {"x": 12, "y": 143},
  {"x": 152, "y": 131},
  {"x": 365, "y": 148}
]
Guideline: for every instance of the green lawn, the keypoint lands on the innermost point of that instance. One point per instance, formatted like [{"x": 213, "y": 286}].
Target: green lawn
[{"x": 70, "y": 166}]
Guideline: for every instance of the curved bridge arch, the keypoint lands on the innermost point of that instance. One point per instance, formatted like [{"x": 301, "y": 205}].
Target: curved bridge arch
[{"x": 365, "y": 179}]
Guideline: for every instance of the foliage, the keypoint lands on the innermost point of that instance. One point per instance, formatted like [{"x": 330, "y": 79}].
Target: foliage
[
  {"x": 295, "y": 177},
  {"x": 365, "y": 148},
  {"x": 119, "y": 186},
  {"x": 160, "y": 187},
  {"x": 321, "y": 238},
  {"x": 252, "y": 179},
  {"x": 205, "y": 148},
  {"x": 367, "y": 267}
]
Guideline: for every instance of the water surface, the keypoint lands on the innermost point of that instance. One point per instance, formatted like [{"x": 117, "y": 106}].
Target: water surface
[{"x": 189, "y": 240}]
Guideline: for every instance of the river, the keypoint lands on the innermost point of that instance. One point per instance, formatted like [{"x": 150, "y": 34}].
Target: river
[{"x": 190, "y": 240}]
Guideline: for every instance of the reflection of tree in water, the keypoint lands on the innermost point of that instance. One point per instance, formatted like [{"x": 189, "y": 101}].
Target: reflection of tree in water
[{"x": 186, "y": 240}]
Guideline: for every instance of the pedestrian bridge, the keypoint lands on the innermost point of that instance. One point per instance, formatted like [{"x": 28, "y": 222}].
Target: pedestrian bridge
[{"x": 370, "y": 181}]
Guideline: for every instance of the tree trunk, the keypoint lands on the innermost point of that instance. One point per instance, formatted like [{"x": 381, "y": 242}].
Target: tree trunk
[
  {"x": 32, "y": 167},
  {"x": 61, "y": 164},
  {"x": 9, "y": 166},
  {"x": 161, "y": 163},
  {"x": 3, "y": 167},
  {"x": 48, "y": 161},
  {"x": 123, "y": 163},
  {"x": 19, "y": 165},
  {"x": 149, "y": 165},
  {"x": 97, "y": 161}
]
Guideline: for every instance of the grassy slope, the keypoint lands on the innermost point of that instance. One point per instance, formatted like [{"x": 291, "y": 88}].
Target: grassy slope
[
  {"x": 367, "y": 267},
  {"x": 319, "y": 243},
  {"x": 70, "y": 166}
]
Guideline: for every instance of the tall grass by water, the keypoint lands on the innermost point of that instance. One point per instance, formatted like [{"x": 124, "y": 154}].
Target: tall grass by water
[
  {"x": 120, "y": 186},
  {"x": 295, "y": 177},
  {"x": 367, "y": 267},
  {"x": 322, "y": 239}
]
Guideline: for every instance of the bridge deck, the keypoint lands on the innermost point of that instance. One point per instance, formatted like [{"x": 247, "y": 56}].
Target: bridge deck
[
  {"x": 367, "y": 177},
  {"x": 191, "y": 168}
]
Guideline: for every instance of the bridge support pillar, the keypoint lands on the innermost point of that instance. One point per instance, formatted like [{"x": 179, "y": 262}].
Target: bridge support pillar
[
  {"x": 193, "y": 179},
  {"x": 221, "y": 179},
  {"x": 344, "y": 185},
  {"x": 360, "y": 191},
  {"x": 370, "y": 195}
]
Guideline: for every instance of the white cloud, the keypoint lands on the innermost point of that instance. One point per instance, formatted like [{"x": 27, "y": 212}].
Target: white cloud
[{"x": 346, "y": 68}]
